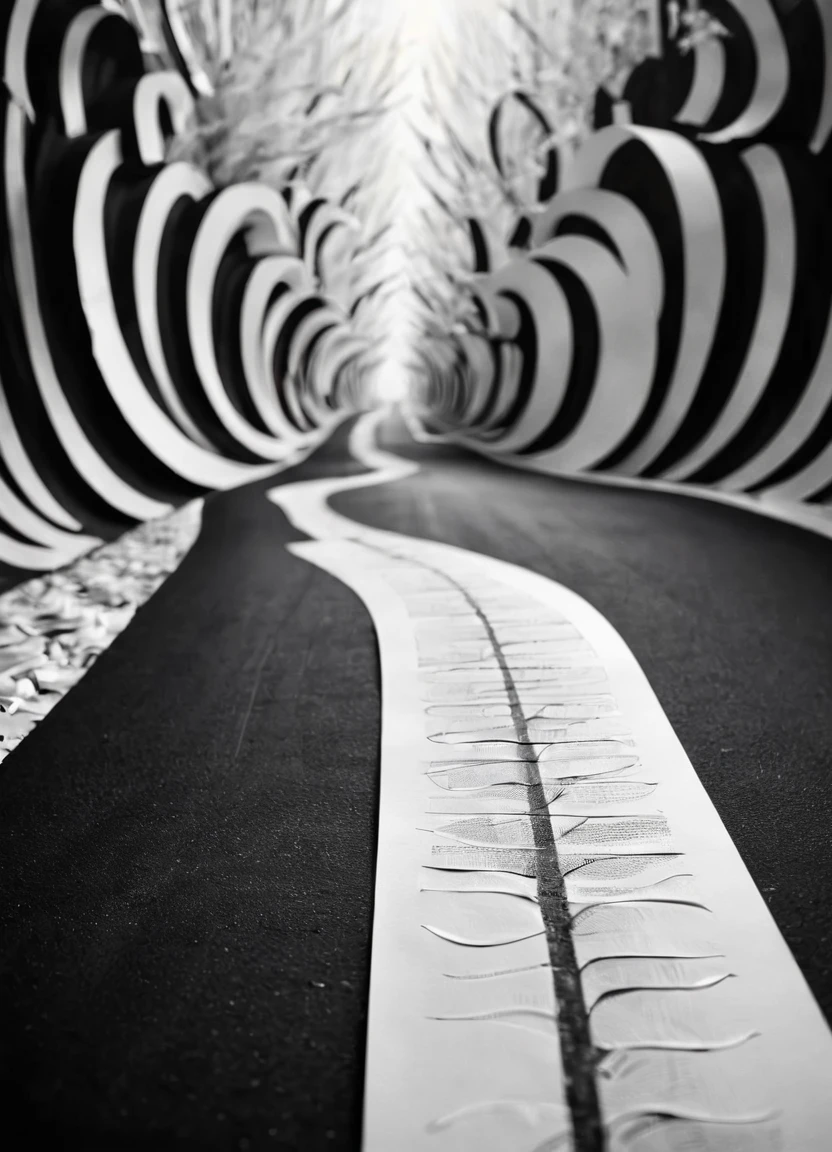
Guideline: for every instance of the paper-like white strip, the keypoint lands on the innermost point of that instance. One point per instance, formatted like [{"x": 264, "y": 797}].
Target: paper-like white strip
[{"x": 704, "y": 1031}]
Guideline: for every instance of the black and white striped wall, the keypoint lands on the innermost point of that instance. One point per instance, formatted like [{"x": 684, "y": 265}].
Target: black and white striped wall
[
  {"x": 669, "y": 315},
  {"x": 159, "y": 337}
]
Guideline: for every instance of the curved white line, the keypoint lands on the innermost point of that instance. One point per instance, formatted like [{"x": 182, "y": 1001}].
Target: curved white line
[
  {"x": 292, "y": 384},
  {"x": 17, "y": 46},
  {"x": 305, "y": 333},
  {"x": 773, "y": 72},
  {"x": 275, "y": 320},
  {"x": 793, "y": 432},
  {"x": 554, "y": 337},
  {"x": 152, "y": 91},
  {"x": 148, "y": 421},
  {"x": 812, "y": 478},
  {"x": 328, "y": 216},
  {"x": 824, "y": 124},
  {"x": 416, "y": 591},
  {"x": 481, "y": 367},
  {"x": 338, "y": 351},
  {"x": 505, "y": 322},
  {"x": 264, "y": 212},
  {"x": 701, "y": 222},
  {"x": 510, "y": 377},
  {"x": 335, "y": 260},
  {"x": 772, "y": 317},
  {"x": 172, "y": 184},
  {"x": 627, "y": 348},
  {"x": 627, "y": 227},
  {"x": 708, "y": 83},
  {"x": 16, "y": 459},
  {"x": 23, "y": 520},
  {"x": 82, "y": 455},
  {"x": 71, "y": 66},
  {"x": 494, "y": 322},
  {"x": 270, "y": 272},
  {"x": 31, "y": 557},
  {"x": 199, "y": 77}
]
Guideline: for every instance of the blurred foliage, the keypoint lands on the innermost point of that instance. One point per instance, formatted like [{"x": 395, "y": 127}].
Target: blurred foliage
[
  {"x": 286, "y": 86},
  {"x": 557, "y": 53},
  {"x": 299, "y": 94}
]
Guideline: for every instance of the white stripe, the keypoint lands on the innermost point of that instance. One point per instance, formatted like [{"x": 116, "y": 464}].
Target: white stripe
[{"x": 455, "y": 1064}]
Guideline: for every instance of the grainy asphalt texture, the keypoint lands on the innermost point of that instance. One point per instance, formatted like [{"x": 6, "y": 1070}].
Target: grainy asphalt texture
[{"x": 187, "y": 841}]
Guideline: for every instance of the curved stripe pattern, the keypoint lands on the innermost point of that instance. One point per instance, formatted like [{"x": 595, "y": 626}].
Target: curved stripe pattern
[
  {"x": 675, "y": 301},
  {"x": 160, "y": 337},
  {"x": 662, "y": 314}
]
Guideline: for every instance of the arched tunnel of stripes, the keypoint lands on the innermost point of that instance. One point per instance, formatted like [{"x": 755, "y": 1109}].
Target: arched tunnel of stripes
[
  {"x": 664, "y": 312},
  {"x": 160, "y": 337}
]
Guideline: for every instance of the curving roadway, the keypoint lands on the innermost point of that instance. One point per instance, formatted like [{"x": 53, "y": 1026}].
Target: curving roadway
[{"x": 187, "y": 840}]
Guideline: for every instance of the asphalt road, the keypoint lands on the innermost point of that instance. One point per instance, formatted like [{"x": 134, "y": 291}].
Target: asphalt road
[{"x": 187, "y": 840}]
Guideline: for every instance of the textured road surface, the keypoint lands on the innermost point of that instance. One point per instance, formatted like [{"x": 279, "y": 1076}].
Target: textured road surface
[{"x": 187, "y": 841}]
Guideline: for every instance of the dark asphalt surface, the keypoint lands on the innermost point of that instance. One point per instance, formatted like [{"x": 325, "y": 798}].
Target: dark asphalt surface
[
  {"x": 186, "y": 846},
  {"x": 187, "y": 841}
]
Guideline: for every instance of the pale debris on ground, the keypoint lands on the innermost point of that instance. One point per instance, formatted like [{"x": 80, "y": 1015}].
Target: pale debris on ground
[{"x": 53, "y": 627}]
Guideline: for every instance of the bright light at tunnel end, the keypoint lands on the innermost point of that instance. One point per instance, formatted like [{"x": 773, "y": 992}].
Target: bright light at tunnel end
[{"x": 392, "y": 387}]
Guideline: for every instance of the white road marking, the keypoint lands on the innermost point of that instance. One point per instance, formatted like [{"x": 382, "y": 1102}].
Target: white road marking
[{"x": 519, "y": 734}]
